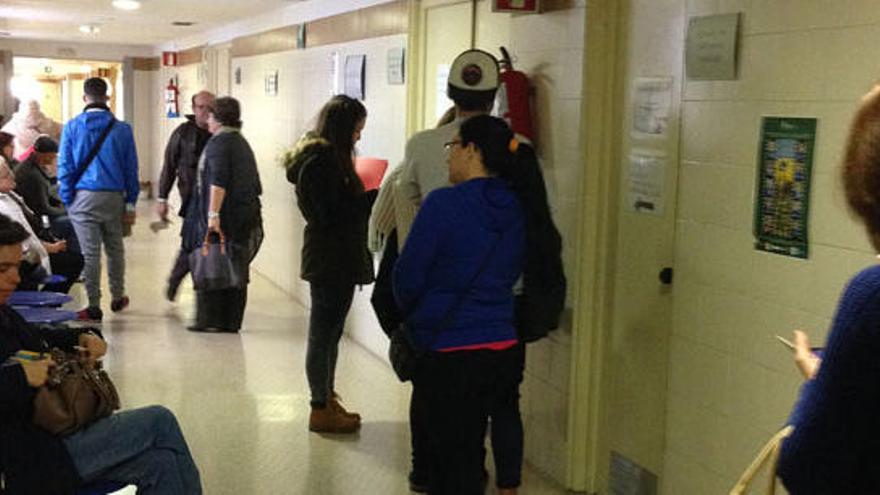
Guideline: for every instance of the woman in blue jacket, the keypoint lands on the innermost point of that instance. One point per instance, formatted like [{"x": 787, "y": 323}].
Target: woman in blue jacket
[
  {"x": 835, "y": 445},
  {"x": 454, "y": 281}
]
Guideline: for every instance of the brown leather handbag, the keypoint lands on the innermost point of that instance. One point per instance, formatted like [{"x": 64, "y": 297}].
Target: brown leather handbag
[{"x": 74, "y": 396}]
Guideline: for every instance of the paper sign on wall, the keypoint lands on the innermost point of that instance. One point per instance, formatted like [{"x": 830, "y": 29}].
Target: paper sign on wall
[
  {"x": 441, "y": 101},
  {"x": 782, "y": 202},
  {"x": 652, "y": 100},
  {"x": 396, "y": 66},
  {"x": 711, "y": 47},
  {"x": 354, "y": 75},
  {"x": 645, "y": 186}
]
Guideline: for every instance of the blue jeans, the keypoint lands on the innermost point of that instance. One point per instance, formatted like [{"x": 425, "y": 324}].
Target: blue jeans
[
  {"x": 142, "y": 447},
  {"x": 330, "y": 305}
]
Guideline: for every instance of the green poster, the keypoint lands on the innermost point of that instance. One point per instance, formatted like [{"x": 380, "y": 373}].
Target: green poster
[{"x": 782, "y": 202}]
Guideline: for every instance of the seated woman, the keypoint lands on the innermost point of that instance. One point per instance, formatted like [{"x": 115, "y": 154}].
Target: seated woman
[
  {"x": 41, "y": 258},
  {"x": 142, "y": 447},
  {"x": 836, "y": 439}
]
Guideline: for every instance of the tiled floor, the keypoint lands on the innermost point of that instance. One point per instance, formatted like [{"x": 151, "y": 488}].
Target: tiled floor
[{"x": 242, "y": 399}]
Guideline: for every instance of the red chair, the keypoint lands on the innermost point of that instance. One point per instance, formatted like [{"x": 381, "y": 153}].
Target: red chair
[{"x": 371, "y": 171}]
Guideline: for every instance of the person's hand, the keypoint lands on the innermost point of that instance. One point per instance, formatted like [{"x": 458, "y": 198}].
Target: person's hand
[
  {"x": 162, "y": 210},
  {"x": 214, "y": 225},
  {"x": 129, "y": 218},
  {"x": 807, "y": 361},
  {"x": 37, "y": 372},
  {"x": 55, "y": 247},
  {"x": 93, "y": 346}
]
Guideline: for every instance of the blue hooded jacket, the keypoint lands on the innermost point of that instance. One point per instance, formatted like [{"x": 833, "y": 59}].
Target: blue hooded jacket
[
  {"x": 454, "y": 232},
  {"x": 115, "y": 168}
]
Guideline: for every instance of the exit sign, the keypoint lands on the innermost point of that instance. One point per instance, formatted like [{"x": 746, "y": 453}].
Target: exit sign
[{"x": 515, "y": 5}]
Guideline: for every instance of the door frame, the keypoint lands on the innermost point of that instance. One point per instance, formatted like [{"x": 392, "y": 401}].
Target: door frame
[
  {"x": 417, "y": 45},
  {"x": 601, "y": 120}
]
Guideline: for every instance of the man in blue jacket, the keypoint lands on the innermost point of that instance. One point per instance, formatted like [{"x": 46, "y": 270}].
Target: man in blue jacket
[{"x": 98, "y": 183}]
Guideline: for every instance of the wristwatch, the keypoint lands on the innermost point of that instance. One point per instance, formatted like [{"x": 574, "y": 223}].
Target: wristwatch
[{"x": 213, "y": 214}]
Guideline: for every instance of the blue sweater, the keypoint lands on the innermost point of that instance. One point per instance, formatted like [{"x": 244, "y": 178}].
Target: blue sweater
[
  {"x": 835, "y": 447},
  {"x": 115, "y": 168},
  {"x": 453, "y": 233}
]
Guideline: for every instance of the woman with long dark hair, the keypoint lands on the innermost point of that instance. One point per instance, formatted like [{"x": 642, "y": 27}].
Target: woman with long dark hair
[
  {"x": 335, "y": 258},
  {"x": 454, "y": 283}
]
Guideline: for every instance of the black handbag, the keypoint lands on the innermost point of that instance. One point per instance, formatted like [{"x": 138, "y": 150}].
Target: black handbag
[
  {"x": 211, "y": 265},
  {"x": 403, "y": 352}
]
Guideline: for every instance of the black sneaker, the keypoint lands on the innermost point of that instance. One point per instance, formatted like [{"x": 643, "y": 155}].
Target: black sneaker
[
  {"x": 91, "y": 313},
  {"x": 418, "y": 483},
  {"x": 118, "y": 305}
]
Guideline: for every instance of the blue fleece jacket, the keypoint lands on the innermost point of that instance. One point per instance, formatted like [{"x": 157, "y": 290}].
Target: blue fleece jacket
[
  {"x": 453, "y": 233},
  {"x": 835, "y": 446},
  {"x": 115, "y": 168}
]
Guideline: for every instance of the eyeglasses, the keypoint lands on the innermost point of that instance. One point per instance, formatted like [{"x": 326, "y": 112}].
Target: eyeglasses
[{"x": 448, "y": 146}]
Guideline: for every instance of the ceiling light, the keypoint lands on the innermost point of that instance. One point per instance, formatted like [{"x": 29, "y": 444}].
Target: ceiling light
[
  {"x": 89, "y": 29},
  {"x": 127, "y": 4}
]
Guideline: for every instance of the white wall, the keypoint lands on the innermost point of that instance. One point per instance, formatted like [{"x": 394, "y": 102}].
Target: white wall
[
  {"x": 144, "y": 124},
  {"x": 549, "y": 48},
  {"x": 731, "y": 385},
  {"x": 273, "y": 123}
]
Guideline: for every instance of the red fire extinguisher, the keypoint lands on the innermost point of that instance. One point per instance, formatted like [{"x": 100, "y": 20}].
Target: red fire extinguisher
[
  {"x": 514, "y": 104},
  {"x": 171, "y": 94}
]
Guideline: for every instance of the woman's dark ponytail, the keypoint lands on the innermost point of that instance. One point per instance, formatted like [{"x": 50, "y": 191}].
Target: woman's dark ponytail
[{"x": 502, "y": 154}]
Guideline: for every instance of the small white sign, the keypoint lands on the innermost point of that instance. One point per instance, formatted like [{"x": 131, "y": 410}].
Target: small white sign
[
  {"x": 442, "y": 102},
  {"x": 710, "y": 47},
  {"x": 396, "y": 66},
  {"x": 647, "y": 174},
  {"x": 354, "y": 76},
  {"x": 652, "y": 100}
]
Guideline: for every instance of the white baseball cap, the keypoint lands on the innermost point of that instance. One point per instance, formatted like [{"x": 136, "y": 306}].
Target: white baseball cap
[{"x": 474, "y": 70}]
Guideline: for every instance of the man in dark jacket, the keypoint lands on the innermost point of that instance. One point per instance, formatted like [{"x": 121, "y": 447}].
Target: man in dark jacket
[{"x": 181, "y": 163}]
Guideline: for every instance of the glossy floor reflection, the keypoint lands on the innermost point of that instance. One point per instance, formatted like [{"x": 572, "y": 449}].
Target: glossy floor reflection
[{"x": 242, "y": 399}]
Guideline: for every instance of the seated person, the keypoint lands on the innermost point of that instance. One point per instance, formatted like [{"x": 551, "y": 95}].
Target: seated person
[
  {"x": 41, "y": 257},
  {"x": 37, "y": 183},
  {"x": 142, "y": 447}
]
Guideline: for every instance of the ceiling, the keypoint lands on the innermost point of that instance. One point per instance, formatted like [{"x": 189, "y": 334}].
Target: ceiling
[{"x": 149, "y": 25}]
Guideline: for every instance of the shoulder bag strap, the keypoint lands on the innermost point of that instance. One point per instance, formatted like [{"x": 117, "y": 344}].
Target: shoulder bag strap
[
  {"x": 84, "y": 165},
  {"x": 447, "y": 319}
]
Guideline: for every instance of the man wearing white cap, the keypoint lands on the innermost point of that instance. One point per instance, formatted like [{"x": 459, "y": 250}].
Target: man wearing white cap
[{"x": 472, "y": 84}]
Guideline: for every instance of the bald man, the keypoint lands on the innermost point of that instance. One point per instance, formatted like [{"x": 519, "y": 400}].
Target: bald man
[{"x": 181, "y": 163}]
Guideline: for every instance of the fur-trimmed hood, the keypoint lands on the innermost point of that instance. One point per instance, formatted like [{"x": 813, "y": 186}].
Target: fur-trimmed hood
[{"x": 309, "y": 147}]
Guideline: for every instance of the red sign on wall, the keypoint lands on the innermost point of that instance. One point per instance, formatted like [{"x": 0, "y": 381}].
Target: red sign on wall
[
  {"x": 169, "y": 59},
  {"x": 515, "y": 5}
]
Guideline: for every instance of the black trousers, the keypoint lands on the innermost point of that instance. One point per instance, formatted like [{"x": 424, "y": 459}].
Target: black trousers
[
  {"x": 506, "y": 432},
  {"x": 223, "y": 309},
  {"x": 67, "y": 264},
  {"x": 460, "y": 391}
]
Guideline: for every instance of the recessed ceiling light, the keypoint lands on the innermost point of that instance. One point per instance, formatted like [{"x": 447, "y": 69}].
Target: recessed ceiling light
[
  {"x": 89, "y": 29},
  {"x": 127, "y": 4}
]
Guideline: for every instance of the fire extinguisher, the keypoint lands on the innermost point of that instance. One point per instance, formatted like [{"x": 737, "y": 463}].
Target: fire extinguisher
[
  {"x": 513, "y": 98},
  {"x": 171, "y": 94}
]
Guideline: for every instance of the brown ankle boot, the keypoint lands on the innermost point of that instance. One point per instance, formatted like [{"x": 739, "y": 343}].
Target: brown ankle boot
[
  {"x": 327, "y": 420},
  {"x": 336, "y": 404}
]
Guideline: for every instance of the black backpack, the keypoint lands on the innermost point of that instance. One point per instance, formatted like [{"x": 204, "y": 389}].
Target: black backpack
[{"x": 539, "y": 306}]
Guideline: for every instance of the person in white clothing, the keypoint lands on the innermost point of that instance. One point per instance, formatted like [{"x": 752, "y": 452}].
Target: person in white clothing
[
  {"x": 27, "y": 124},
  {"x": 50, "y": 256}
]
